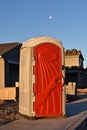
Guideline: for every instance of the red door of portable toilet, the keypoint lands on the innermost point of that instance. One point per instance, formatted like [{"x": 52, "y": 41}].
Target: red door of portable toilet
[
  {"x": 49, "y": 80},
  {"x": 41, "y": 82}
]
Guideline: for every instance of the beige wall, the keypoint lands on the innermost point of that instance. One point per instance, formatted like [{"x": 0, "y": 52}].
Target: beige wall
[
  {"x": 71, "y": 61},
  {"x": 8, "y": 93},
  {"x": 2, "y": 80}
]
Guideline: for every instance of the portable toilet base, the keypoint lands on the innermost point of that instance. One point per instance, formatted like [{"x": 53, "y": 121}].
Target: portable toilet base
[{"x": 42, "y": 91}]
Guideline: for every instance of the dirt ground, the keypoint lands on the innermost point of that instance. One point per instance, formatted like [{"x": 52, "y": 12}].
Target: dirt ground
[{"x": 8, "y": 112}]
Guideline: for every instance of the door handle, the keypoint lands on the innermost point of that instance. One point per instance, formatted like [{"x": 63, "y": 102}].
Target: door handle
[{"x": 59, "y": 79}]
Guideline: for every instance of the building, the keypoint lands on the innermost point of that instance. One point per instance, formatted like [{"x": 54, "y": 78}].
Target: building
[
  {"x": 9, "y": 64},
  {"x": 75, "y": 72}
]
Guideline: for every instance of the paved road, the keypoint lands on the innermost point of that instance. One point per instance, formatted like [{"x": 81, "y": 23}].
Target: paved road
[{"x": 76, "y": 111}]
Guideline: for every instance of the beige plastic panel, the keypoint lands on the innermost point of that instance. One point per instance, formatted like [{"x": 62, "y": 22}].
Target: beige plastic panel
[
  {"x": 27, "y": 79},
  {"x": 26, "y": 82},
  {"x": 40, "y": 40},
  {"x": 2, "y": 80}
]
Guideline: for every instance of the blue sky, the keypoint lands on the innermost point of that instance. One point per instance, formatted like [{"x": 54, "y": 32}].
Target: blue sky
[{"x": 21, "y": 20}]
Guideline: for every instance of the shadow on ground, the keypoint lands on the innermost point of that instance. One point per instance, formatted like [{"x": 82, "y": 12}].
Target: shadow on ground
[{"x": 74, "y": 108}]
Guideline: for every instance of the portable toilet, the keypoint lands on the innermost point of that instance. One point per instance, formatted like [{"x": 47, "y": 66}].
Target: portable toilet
[{"x": 42, "y": 91}]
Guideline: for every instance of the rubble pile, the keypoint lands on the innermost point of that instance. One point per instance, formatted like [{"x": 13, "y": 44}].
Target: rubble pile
[{"x": 8, "y": 112}]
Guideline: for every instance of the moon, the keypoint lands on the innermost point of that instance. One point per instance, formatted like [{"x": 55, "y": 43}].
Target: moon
[{"x": 50, "y": 17}]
